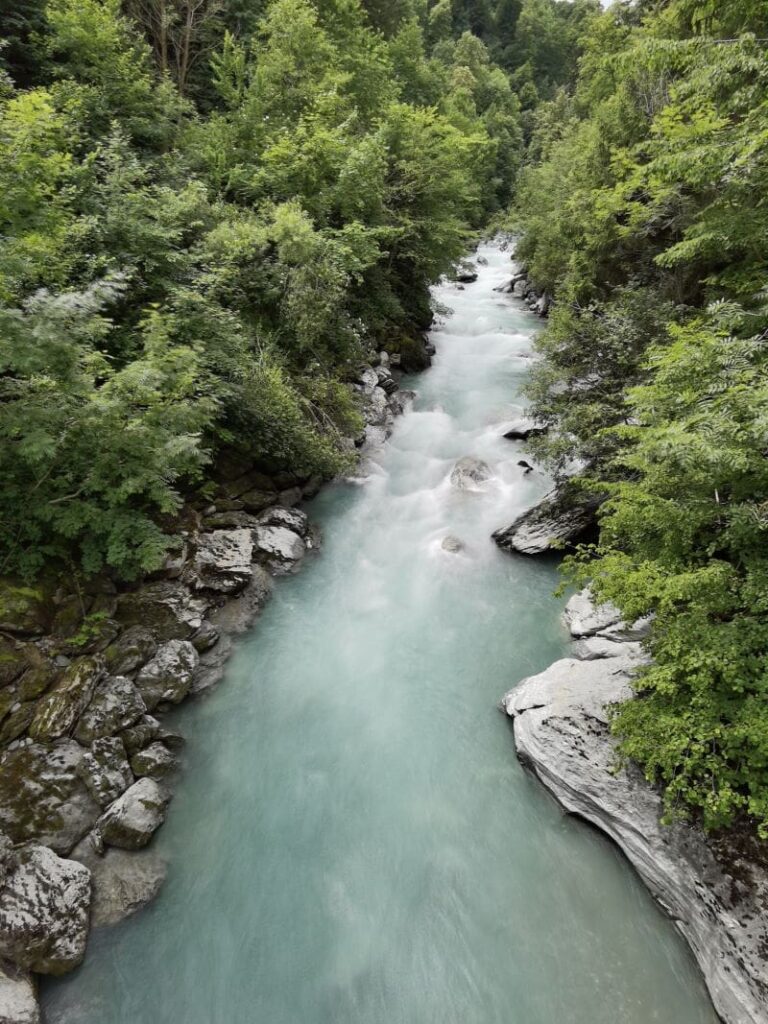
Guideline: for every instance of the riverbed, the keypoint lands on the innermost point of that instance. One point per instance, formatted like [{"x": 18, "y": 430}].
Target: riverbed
[{"x": 353, "y": 840}]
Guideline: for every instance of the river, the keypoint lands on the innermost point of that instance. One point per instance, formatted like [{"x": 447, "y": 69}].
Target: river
[{"x": 353, "y": 840}]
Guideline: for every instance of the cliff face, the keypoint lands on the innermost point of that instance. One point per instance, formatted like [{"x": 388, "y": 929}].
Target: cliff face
[{"x": 716, "y": 895}]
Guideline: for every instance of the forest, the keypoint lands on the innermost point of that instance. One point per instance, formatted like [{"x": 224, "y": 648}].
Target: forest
[
  {"x": 643, "y": 204},
  {"x": 211, "y": 211}
]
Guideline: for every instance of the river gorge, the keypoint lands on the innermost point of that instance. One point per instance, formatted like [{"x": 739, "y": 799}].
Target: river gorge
[{"x": 353, "y": 840}]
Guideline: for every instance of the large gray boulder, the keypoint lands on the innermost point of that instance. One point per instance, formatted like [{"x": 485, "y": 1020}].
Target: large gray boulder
[
  {"x": 291, "y": 518},
  {"x": 123, "y": 881},
  {"x": 116, "y": 704},
  {"x": 469, "y": 473},
  {"x": 18, "y": 1001},
  {"x": 550, "y": 524},
  {"x": 43, "y": 797},
  {"x": 717, "y": 902},
  {"x": 44, "y": 905},
  {"x": 222, "y": 561},
  {"x": 168, "y": 676},
  {"x": 279, "y": 548},
  {"x": 166, "y": 608},
  {"x": 105, "y": 770},
  {"x": 132, "y": 819}
]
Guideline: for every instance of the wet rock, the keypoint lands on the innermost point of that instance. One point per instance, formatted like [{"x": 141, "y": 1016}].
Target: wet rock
[
  {"x": 466, "y": 275},
  {"x": 166, "y": 608},
  {"x": 123, "y": 881},
  {"x": 18, "y": 1001},
  {"x": 206, "y": 637},
  {"x": 105, "y": 770},
  {"x": 58, "y": 712},
  {"x": 550, "y": 524},
  {"x": 400, "y": 401},
  {"x": 44, "y": 904},
  {"x": 116, "y": 704},
  {"x": 561, "y": 732},
  {"x": 141, "y": 734},
  {"x": 522, "y": 430},
  {"x": 469, "y": 473},
  {"x": 279, "y": 548},
  {"x": 168, "y": 676},
  {"x": 132, "y": 819},
  {"x": 155, "y": 761},
  {"x": 526, "y": 466},
  {"x": 291, "y": 518},
  {"x": 452, "y": 544},
  {"x": 42, "y": 796},
  {"x": 290, "y": 497},
  {"x": 222, "y": 561},
  {"x": 130, "y": 651}
]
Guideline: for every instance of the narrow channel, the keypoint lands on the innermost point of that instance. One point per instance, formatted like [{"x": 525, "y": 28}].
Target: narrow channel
[{"x": 353, "y": 840}]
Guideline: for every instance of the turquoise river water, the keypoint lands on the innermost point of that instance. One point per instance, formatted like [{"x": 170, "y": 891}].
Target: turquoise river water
[{"x": 353, "y": 840}]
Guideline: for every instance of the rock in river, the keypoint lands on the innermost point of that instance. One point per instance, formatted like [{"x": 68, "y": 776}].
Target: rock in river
[
  {"x": 168, "y": 676},
  {"x": 44, "y": 904},
  {"x": 561, "y": 732},
  {"x": 18, "y": 1003},
  {"x": 469, "y": 473},
  {"x": 123, "y": 881},
  {"x": 131, "y": 820},
  {"x": 549, "y": 524}
]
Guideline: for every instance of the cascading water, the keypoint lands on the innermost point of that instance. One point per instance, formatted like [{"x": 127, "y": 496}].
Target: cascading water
[{"x": 353, "y": 840}]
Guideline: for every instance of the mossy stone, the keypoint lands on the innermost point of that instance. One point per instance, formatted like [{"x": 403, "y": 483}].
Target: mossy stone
[{"x": 25, "y": 610}]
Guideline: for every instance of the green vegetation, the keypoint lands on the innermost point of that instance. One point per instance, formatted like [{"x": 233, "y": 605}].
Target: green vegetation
[
  {"x": 209, "y": 214},
  {"x": 645, "y": 215}
]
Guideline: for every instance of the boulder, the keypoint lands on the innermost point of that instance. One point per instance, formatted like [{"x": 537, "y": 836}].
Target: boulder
[
  {"x": 132, "y": 649},
  {"x": 715, "y": 896},
  {"x": 13, "y": 661},
  {"x": 469, "y": 473},
  {"x": 115, "y": 705},
  {"x": 27, "y": 611},
  {"x": 222, "y": 561},
  {"x": 586, "y": 619},
  {"x": 105, "y": 770},
  {"x": 44, "y": 905},
  {"x": 155, "y": 761},
  {"x": 18, "y": 1001},
  {"x": 291, "y": 518},
  {"x": 278, "y": 548},
  {"x": 122, "y": 881},
  {"x": 132, "y": 819},
  {"x": 38, "y": 678},
  {"x": 522, "y": 430},
  {"x": 166, "y": 608},
  {"x": 59, "y": 710},
  {"x": 140, "y": 734},
  {"x": 43, "y": 797},
  {"x": 550, "y": 524},
  {"x": 168, "y": 676},
  {"x": 18, "y": 721},
  {"x": 452, "y": 544},
  {"x": 206, "y": 637},
  {"x": 466, "y": 275}
]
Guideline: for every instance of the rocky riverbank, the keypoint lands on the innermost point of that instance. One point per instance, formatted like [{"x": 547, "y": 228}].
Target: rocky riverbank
[
  {"x": 86, "y": 765},
  {"x": 714, "y": 888}
]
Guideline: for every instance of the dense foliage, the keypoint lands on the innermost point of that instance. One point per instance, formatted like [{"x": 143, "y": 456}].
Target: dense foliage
[
  {"x": 210, "y": 212},
  {"x": 645, "y": 215}
]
